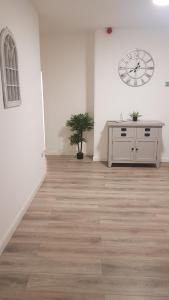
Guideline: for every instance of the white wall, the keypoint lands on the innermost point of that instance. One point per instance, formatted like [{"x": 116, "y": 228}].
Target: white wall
[
  {"x": 21, "y": 128},
  {"x": 67, "y": 65},
  {"x": 112, "y": 96}
]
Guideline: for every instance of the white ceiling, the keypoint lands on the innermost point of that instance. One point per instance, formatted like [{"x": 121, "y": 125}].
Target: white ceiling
[{"x": 88, "y": 15}]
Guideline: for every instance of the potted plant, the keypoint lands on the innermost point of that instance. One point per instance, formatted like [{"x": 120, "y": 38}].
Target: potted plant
[
  {"x": 135, "y": 115},
  {"x": 79, "y": 124}
]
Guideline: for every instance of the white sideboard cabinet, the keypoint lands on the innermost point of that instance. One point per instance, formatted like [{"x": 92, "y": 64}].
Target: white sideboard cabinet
[{"x": 134, "y": 142}]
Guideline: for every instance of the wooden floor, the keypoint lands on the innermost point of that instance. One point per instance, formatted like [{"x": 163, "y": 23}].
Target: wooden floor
[{"x": 92, "y": 233}]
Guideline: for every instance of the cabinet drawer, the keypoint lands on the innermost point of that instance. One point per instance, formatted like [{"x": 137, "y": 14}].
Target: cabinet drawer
[
  {"x": 123, "y": 132},
  {"x": 146, "y": 132}
]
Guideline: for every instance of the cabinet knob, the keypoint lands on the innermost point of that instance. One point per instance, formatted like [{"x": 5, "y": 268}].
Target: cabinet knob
[
  {"x": 136, "y": 149},
  {"x": 132, "y": 149}
]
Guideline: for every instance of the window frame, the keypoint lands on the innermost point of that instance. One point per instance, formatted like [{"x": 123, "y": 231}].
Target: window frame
[{"x": 15, "y": 88}]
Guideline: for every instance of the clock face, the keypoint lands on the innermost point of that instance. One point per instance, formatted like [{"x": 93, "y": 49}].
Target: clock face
[{"x": 136, "y": 68}]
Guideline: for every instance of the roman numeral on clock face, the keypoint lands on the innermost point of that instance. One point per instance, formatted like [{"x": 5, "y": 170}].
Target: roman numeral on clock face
[
  {"x": 148, "y": 60},
  {"x": 123, "y": 75},
  {"x": 148, "y": 76},
  {"x": 135, "y": 83},
  {"x": 128, "y": 81}
]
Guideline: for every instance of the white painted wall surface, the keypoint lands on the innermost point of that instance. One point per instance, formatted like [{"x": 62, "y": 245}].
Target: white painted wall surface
[
  {"x": 67, "y": 65},
  {"x": 21, "y": 128},
  {"x": 112, "y": 96}
]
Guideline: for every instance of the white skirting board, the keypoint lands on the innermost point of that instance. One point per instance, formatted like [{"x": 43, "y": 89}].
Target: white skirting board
[
  {"x": 20, "y": 215},
  {"x": 97, "y": 158}
]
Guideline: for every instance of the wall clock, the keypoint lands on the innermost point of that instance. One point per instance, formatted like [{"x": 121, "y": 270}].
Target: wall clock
[{"x": 136, "y": 68}]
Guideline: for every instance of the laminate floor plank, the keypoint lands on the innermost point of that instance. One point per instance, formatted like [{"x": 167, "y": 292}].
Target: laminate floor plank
[
  {"x": 135, "y": 297},
  {"x": 136, "y": 285},
  {"x": 92, "y": 233},
  {"x": 46, "y": 296}
]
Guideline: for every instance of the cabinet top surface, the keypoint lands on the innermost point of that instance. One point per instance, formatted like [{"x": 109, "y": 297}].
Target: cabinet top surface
[{"x": 130, "y": 123}]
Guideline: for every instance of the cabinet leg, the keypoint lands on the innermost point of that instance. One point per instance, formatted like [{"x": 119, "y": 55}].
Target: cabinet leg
[
  {"x": 109, "y": 164},
  {"x": 157, "y": 165}
]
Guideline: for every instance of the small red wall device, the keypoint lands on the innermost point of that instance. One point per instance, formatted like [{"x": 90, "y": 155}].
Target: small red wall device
[{"x": 109, "y": 30}]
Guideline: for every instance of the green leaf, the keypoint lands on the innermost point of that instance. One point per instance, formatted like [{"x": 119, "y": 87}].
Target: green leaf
[
  {"x": 75, "y": 139},
  {"x": 135, "y": 114},
  {"x": 80, "y": 123}
]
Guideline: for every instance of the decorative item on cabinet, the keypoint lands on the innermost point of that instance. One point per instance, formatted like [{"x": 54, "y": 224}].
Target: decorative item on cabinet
[{"x": 135, "y": 115}]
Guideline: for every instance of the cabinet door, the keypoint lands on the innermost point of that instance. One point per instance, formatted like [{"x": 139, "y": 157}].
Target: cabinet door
[
  {"x": 145, "y": 151},
  {"x": 123, "y": 150}
]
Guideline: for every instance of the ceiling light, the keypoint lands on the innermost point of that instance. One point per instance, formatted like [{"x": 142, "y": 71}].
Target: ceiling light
[{"x": 161, "y": 2}]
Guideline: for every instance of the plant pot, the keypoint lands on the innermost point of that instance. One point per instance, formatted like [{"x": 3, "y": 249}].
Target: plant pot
[
  {"x": 80, "y": 155},
  {"x": 134, "y": 119}
]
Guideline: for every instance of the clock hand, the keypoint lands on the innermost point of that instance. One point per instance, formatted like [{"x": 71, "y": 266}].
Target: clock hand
[
  {"x": 132, "y": 70},
  {"x": 137, "y": 67}
]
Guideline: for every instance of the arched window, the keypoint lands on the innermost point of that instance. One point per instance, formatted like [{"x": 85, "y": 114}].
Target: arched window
[{"x": 9, "y": 69}]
